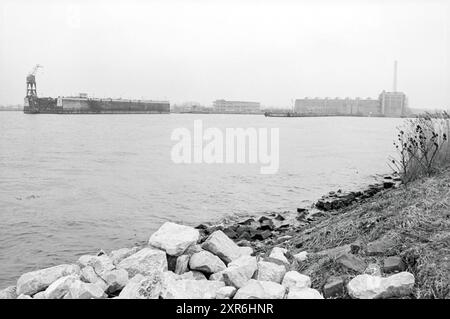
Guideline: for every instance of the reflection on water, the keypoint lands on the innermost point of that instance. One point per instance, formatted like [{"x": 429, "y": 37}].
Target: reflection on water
[{"x": 72, "y": 184}]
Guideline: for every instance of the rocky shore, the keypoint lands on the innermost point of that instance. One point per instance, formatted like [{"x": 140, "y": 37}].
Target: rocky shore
[{"x": 345, "y": 246}]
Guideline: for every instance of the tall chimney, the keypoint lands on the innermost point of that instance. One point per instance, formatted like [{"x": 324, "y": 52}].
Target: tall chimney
[{"x": 394, "y": 89}]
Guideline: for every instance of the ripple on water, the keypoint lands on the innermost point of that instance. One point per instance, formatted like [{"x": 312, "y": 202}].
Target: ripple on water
[{"x": 103, "y": 188}]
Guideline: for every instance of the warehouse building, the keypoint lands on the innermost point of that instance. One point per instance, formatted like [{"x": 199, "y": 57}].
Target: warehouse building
[
  {"x": 223, "y": 106},
  {"x": 392, "y": 104}
]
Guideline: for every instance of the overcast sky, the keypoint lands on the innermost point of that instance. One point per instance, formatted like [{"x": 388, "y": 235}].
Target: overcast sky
[{"x": 266, "y": 51}]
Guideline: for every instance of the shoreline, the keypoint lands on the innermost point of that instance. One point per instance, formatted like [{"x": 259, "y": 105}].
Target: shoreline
[
  {"x": 277, "y": 227},
  {"x": 230, "y": 218},
  {"x": 271, "y": 231}
]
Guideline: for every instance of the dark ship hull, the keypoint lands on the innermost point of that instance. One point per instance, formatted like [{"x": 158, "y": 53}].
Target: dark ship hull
[{"x": 83, "y": 105}]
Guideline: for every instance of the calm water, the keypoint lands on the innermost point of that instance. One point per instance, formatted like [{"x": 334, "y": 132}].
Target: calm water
[{"x": 73, "y": 184}]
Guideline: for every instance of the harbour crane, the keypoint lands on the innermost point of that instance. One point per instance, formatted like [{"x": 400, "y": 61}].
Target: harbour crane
[
  {"x": 31, "y": 81},
  {"x": 31, "y": 103}
]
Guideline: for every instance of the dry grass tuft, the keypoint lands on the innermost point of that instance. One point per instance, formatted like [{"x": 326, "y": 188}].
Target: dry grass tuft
[{"x": 417, "y": 218}]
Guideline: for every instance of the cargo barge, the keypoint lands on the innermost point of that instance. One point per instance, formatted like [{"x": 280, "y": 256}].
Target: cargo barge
[
  {"x": 294, "y": 114},
  {"x": 83, "y": 104}
]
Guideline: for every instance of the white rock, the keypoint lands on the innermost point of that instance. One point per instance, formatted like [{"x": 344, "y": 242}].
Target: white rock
[
  {"x": 187, "y": 275},
  {"x": 193, "y": 274},
  {"x": 206, "y": 262},
  {"x": 190, "y": 289},
  {"x": 294, "y": 279},
  {"x": 82, "y": 290},
  {"x": 219, "y": 244},
  {"x": 244, "y": 261},
  {"x": 273, "y": 290},
  {"x": 8, "y": 293},
  {"x": 145, "y": 262},
  {"x": 374, "y": 287},
  {"x": 171, "y": 275},
  {"x": 278, "y": 253},
  {"x": 192, "y": 249},
  {"x": 115, "y": 279},
  {"x": 397, "y": 285},
  {"x": 182, "y": 264},
  {"x": 268, "y": 271},
  {"x": 143, "y": 287},
  {"x": 35, "y": 281},
  {"x": 173, "y": 238},
  {"x": 131, "y": 288},
  {"x": 240, "y": 271},
  {"x": 225, "y": 292},
  {"x": 22, "y": 296},
  {"x": 89, "y": 275},
  {"x": 301, "y": 256},
  {"x": 252, "y": 290},
  {"x": 218, "y": 276},
  {"x": 118, "y": 255},
  {"x": 39, "y": 295},
  {"x": 60, "y": 287},
  {"x": 304, "y": 293},
  {"x": 85, "y": 260},
  {"x": 197, "y": 275},
  {"x": 100, "y": 263},
  {"x": 365, "y": 286},
  {"x": 246, "y": 251}
]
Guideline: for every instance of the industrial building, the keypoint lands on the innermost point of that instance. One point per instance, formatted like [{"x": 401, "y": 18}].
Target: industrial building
[
  {"x": 337, "y": 106},
  {"x": 393, "y": 104},
  {"x": 390, "y": 104},
  {"x": 223, "y": 106}
]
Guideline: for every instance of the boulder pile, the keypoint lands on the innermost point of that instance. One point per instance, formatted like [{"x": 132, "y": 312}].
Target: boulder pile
[
  {"x": 251, "y": 229},
  {"x": 179, "y": 262},
  {"x": 339, "y": 199}
]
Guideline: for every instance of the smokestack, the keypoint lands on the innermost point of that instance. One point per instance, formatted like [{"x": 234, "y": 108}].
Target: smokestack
[{"x": 394, "y": 88}]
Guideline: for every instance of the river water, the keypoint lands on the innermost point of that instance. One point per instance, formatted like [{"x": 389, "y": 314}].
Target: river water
[{"x": 74, "y": 184}]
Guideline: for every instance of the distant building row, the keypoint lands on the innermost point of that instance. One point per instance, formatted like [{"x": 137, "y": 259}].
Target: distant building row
[
  {"x": 392, "y": 104},
  {"x": 223, "y": 106}
]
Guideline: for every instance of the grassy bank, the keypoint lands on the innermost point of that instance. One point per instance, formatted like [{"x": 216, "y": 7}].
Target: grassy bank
[{"x": 416, "y": 218}]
